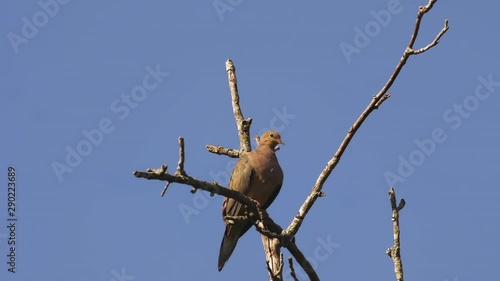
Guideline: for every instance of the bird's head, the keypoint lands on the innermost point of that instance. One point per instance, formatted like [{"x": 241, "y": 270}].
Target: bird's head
[{"x": 270, "y": 139}]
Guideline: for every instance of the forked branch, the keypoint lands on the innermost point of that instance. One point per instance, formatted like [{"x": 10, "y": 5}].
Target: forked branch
[
  {"x": 377, "y": 100},
  {"x": 395, "y": 251}
]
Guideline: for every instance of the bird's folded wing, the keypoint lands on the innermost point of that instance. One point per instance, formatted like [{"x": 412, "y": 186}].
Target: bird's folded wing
[{"x": 241, "y": 180}]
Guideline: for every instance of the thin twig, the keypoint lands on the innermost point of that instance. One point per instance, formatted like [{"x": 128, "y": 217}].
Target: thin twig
[
  {"x": 395, "y": 251},
  {"x": 302, "y": 261},
  {"x": 422, "y": 10},
  {"x": 165, "y": 189},
  {"x": 375, "y": 102},
  {"x": 243, "y": 124},
  {"x": 292, "y": 270},
  {"x": 161, "y": 170},
  {"x": 180, "y": 164},
  {"x": 220, "y": 150},
  {"x": 434, "y": 42},
  {"x": 212, "y": 187}
]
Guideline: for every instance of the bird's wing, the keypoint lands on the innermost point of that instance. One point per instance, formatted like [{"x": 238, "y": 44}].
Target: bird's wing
[
  {"x": 273, "y": 196},
  {"x": 241, "y": 179}
]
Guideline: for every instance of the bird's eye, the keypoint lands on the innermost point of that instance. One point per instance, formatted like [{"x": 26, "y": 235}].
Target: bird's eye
[{"x": 271, "y": 135}]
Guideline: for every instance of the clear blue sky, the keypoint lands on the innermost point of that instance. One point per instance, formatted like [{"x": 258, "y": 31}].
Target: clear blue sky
[{"x": 92, "y": 91}]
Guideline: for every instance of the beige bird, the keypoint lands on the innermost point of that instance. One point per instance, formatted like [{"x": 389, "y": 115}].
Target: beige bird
[{"x": 258, "y": 175}]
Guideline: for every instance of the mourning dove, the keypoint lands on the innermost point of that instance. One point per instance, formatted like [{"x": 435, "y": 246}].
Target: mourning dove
[{"x": 258, "y": 175}]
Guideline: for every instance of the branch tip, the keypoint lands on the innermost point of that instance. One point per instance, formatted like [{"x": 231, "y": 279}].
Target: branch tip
[
  {"x": 302, "y": 261},
  {"x": 401, "y": 205},
  {"x": 180, "y": 164},
  {"x": 165, "y": 189},
  {"x": 233, "y": 153},
  {"x": 229, "y": 65},
  {"x": 394, "y": 252},
  {"x": 292, "y": 270},
  {"x": 242, "y": 123}
]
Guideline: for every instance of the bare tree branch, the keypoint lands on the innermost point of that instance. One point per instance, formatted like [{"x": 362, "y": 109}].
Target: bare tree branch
[
  {"x": 422, "y": 10},
  {"x": 243, "y": 124},
  {"x": 375, "y": 102},
  {"x": 180, "y": 164},
  {"x": 434, "y": 42},
  {"x": 395, "y": 251},
  {"x": 165, "y": 189},
  {"x": 302, "y": 261},
  {"x": 212, "y": 187},
  {"x": 220, "y": 150},
  {"x": 292, "y": 270}
]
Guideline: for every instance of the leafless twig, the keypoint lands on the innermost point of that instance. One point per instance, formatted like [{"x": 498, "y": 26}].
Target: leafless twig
[
  {"x": 243, "y": 124},
  {"x": 165, "y": 189},
  {"x": 292, "y": 270},
  {"x": 180, "y": 164},
  {"x": 434, "y": 42},
  {"x": 422, "y": 10},
  {"x": 212, "y": 187},
  {"x": 220, "y": 150},
  {"x": 395, "y": 251},
  {"x": 302, "y": 261}
]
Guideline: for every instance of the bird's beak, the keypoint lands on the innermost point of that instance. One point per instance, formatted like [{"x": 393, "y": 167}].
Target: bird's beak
[{"x": 281, "y": 142}]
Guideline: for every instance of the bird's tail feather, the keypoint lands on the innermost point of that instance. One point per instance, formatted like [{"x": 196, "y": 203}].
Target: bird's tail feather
[{"x": 226, "y": 249}]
